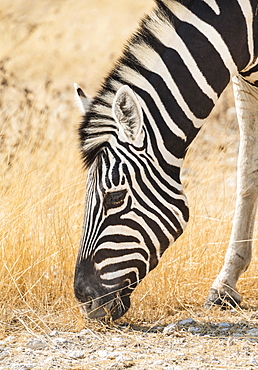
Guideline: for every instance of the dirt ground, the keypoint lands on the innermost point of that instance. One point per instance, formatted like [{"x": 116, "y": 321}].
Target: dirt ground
[{"x": 191, "y": 343}]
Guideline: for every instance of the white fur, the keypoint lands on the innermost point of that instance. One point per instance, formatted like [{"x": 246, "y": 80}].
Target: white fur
[{"x": 214, "y": 6}]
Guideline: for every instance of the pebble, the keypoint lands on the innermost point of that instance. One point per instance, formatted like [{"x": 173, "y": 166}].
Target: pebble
[
  {"x": 124, "y": 358},
  {"x": 18, "y": 366},
  {"x": 53, "y": 333},
  {"x": 117, "y": 339},
  {"x": 102, "y": 353},
  {"x": 36, "y": 344},
  {"x": 237, "y": 334},
  {"x": 252, "y": 332},
  {"x": 225, "y": 325},
  {"x": 76, "y": 354},
  {"x": 83, "y": 333},
  {"x": 214, "y": 360},
  {"x": 230, "y": 341},
  {"x": 49, "y": 359},
  {"x": 59, "y": 341},
  {"x": 4, "y": 354},
  {"x": 21, "y": 349},
  {"x": 186, "y": 322},
  {"x": 169, "y": 329},
  {"x": 194, "y": 330},
  {"x": 158, "y": 363},
  {"x": 254, "y": 361}
]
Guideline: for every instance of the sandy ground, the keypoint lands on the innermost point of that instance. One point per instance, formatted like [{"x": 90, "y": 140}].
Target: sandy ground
[{"x": 185, "y": 344}]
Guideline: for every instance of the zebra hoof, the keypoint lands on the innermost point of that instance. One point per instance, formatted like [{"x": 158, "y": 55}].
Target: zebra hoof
[{"x": 223, "y": 299}]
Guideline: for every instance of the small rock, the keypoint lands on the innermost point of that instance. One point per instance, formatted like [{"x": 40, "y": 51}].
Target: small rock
[
  {"x": 158, "y": 363},
  {"x": 29, "y": 366},
  {"x": 76, "y": 354},
  {"x": 167, "y": 365},
  {"x": 21, "y": 349},
  {"x": 114, "y": 355},
  {"x": 230, "y": 341},
  {"x": 60, "y": 341},
  {"x": 214, "y": 360},
  {"x": 36, "y": 344},
  {"x": 10, "y": 338},
  {"x": 123, "y": 358},
  {"x": 49, "y": 359},
  {"x": 102, "y": 353},
  {"x": 225, "y": 325},
  {"x": 186, "y": 322},
  {"x": 19, "y": 366},
  {"x": 116, "y": 339},
  {"x": 110, "y": 349},
  {"x": 4, "y": 354},
  {"x": 194, "y": 329},
  {"x": 253, "y": 361},
  {"x": 53, "y": 333},
  {"x": 82, "y": 333},
  {"x": 252, "y": 332},
  {"x": 236, "y": 334},
  {"x": 170, "y": 329},
  {"x": 224, "y": 330}
]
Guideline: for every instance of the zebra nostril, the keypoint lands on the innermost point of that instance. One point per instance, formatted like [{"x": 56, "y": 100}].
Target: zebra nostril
[{"x": 88, "y": 301}]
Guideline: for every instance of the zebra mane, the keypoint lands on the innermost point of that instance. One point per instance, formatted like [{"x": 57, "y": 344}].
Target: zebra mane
[
  {"x": 98, "y": 124},
  {"x": 96, "y": 129}
]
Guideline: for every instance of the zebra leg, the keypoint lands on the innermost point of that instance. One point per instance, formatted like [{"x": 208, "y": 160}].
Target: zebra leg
[{"x": 238, "y": 256}]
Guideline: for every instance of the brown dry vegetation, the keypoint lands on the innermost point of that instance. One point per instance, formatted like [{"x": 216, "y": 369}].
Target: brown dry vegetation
[{"x": 45, "y": 46}]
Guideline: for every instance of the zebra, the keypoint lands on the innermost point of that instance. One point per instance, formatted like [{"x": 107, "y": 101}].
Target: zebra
[{"x": 135, "y": 134}]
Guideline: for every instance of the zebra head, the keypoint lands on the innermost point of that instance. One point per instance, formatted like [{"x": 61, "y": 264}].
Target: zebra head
[{"x": 128, "y": 212}]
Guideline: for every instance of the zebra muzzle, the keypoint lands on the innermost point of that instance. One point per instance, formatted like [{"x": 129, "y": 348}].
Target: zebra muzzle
[{"x": 109, "y": 307}]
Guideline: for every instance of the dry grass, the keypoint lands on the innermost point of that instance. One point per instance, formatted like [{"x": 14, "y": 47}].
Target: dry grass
[{"x": 45, "y": 47}]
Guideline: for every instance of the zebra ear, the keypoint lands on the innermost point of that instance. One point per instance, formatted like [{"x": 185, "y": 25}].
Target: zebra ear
[
  {"x": 82, "y": 100},
  {"x": 128, "y": 113}
]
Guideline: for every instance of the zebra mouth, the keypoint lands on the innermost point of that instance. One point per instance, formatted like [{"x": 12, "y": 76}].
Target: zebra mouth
[{"x": 106, "y": 307}]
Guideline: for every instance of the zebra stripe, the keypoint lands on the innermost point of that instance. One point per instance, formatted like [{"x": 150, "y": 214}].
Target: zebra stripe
[
  {"x": 215, "y": 39},
  {"x": 174, "y": 41},
  {"x": 246, "y": 8}
]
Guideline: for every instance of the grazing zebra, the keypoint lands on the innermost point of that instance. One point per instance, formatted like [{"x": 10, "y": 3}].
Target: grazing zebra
[{"x": 134, "y": 137}]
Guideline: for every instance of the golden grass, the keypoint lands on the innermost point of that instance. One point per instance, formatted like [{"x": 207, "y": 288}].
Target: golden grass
[{"x": 45, "y": 47}]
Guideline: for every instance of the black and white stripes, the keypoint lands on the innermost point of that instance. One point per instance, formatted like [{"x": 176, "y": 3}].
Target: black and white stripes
[{"x": 136, "y": 132}]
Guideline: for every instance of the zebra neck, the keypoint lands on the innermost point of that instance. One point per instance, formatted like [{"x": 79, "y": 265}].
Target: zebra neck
[{"x": 178, "y": 64}]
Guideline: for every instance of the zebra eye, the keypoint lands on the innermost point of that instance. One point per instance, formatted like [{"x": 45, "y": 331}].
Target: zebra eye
[{"x": 114, "y": 199}]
